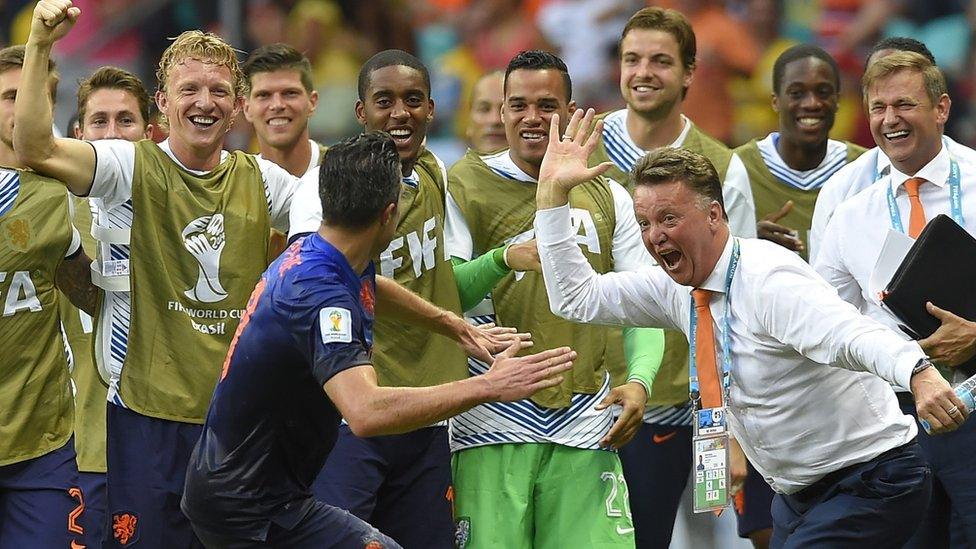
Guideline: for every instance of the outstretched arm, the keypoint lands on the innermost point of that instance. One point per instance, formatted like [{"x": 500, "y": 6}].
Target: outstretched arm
[
  {"x": 371, "y": 410},
  {"x": 397, "y": 302},
  {"x": 68, "y": 160}
]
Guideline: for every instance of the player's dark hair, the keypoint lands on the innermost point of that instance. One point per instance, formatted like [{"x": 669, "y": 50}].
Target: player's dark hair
[
  {"x": 668, "y": 165},
  {"x": 274, "y": 57},
  {"x": 798, "y": 52},
  {"x": 538, "y": 60},
  {"x": 390, "y": 58},
  {"x": 359, "y": 178},
  {"x": 900, "y": 43}
]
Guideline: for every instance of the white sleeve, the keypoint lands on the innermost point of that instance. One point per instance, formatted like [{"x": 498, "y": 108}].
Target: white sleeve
[
  {"x": 737, "y": 195},
  {"x": 305, "y": 214},
  {"x": 629, "y": 253},
  {"x": 830, "y": 262},
  {"x": 279, "y": 188},
  {"x": 576, "y": 292},
  {"x": 458, "y": 241},
  {"x": 801, "y": 311},
  {"x": 115, "y": 161}
]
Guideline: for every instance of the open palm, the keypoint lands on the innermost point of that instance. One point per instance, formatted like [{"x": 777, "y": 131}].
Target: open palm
[{"x": 565, "y": 163}]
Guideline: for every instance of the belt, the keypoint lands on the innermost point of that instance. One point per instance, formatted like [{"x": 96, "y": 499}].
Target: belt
[{"x": 819, "y": 488}]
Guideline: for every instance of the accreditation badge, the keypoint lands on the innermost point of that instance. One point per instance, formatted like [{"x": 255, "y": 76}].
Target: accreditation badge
[{"x": 711, "y": 460}]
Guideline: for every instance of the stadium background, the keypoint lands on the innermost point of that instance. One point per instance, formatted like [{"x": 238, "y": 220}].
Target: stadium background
[{"x": 738, "y": 40}]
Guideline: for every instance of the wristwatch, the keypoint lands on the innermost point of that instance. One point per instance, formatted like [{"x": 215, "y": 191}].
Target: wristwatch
[{"x": 923, "y": 364}]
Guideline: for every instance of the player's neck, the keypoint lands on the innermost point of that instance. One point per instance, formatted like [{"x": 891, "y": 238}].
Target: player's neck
[
  {"x": 529, "y": 168},
  {"x": 295, "y": 159},
  {"x": 355, "y": 245},
  {"x": 201, "y": 159},
  {"x": 800, "y": 156},
  {"x": 649, "y": 132},
  {"x": 8, "y": 158},
  {"x": 406, "y": 166}
]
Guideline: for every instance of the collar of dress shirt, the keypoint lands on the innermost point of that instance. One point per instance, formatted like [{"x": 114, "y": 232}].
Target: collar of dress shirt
[
  {"x": 936, "y": 171},
  {"x": 716, "y": 281}
]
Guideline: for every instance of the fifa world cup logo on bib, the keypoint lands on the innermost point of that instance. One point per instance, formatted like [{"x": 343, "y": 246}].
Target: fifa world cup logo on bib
[{"x": 204, "y": 239}]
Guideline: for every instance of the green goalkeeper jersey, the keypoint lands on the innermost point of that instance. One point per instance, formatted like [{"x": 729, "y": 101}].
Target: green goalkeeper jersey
[
  {"x": 499, "y": 208},
  {"x": 36, "y": 406}
]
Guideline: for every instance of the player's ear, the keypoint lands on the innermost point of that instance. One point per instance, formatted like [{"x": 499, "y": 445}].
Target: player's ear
[{"x": 389, "y": 214}]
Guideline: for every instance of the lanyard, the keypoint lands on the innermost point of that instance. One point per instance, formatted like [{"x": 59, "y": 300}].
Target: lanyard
[
  {"x": 726, "y": 335},
  {"x": 955, "y": 199}
]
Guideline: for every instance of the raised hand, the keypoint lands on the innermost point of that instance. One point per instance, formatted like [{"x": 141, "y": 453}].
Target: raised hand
[
  {"x": 51, "y": 21},
  {"x": 565, "y": 163},
  {"x": 769, "y": 228},
  {"x": 516, "y": 378},
  {"x": 484, "y": 341}
]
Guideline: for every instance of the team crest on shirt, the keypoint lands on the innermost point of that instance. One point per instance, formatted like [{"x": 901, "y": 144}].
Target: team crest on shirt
[
  {"x": 462, "y": 532},
  {"x": 204, "y": 238},
  {"x": 372, "y": 543},
  {"x": 124, "y": 528},
  {"x": 366, "y": 296},
  {"x": 335, "y": 323},
  {"x": 17, "y": 233}
]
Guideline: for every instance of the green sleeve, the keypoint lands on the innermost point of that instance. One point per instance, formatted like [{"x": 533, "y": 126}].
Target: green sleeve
[
  {"x": 477, "y": 277},
  {"x": 644, "y": 350}
]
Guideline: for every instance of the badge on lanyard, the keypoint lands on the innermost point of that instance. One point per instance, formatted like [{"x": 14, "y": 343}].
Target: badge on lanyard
[
  {"x": 710, "y": 440},
  {"x": 711, "y": 460}
]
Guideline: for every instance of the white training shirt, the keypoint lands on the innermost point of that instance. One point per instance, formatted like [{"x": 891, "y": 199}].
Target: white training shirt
[{"x": 808, "y": 391}]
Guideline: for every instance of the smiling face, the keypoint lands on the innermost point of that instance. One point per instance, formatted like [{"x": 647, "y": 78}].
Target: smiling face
[
  {"x": 531, "y": 98},
  {"x": 904, "y": 121},
  {"x": 806, "y": 101},
  {"x": 112, "y": 114},
  {"x": 397, "y": 101},
  {"x": 200, "y": 106},
  {"x": 683, "y": 234},
  {"x": 486, "y": 133},
  {"x": 652, "y": 75},
  {"x": 279, "y": 107}
]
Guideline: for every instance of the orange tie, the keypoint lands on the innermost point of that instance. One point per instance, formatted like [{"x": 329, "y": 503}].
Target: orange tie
[
  {"x": 709, "y": 386},
  {"x": 916, "y": 218}
]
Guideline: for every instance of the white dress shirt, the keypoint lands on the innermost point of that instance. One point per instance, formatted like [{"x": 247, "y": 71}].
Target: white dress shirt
[
  {"x": 808, "y": 393},
  {"x": 857, "y": 176},
  {"x": 852, "y": 241}
]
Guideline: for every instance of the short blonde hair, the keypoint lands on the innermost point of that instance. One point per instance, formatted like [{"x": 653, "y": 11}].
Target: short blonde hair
[
  {"x": 935, "y": 83},
  {"x": 202, "y": 46}
]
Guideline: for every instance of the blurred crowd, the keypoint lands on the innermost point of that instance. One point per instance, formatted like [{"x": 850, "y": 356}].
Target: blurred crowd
[{"x": 738, "y": 40}]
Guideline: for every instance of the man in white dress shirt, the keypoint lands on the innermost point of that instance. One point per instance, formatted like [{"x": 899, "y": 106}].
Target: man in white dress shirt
[
  {"x": 807, "y": 395},
  {"x": 905, "y": 95}
]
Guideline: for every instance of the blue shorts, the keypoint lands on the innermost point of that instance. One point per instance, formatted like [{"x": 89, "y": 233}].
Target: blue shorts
[
  {"x": 401, "y": 484},
  {"x": 147, "y": 459},
  {"x": 324, "y": 527},
  {"x": 41, "y": 504},
  {"x": 95, "y": 520},
  {"x": 752, "y": 504},
  {"x": 657, "y": 463}
]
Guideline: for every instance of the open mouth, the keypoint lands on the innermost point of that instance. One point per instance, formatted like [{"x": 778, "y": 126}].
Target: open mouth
[
  {"x": 644, "y": 88},
  {"x": 896, "y": 136},
  {"x": 401, "y": 136},
  {"x": 809, "y": 122},
  {"x": 278, "y": 121},
  {"x": 533, "y": 136},
  {"x": 203, "y": 122},
  {"x": 670, "y": 259}
]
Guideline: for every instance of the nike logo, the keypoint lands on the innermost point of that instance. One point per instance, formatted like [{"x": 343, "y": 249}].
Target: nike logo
[
  {"x": 658, "y": 439},
  {"x": 624, "y": 531}
]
